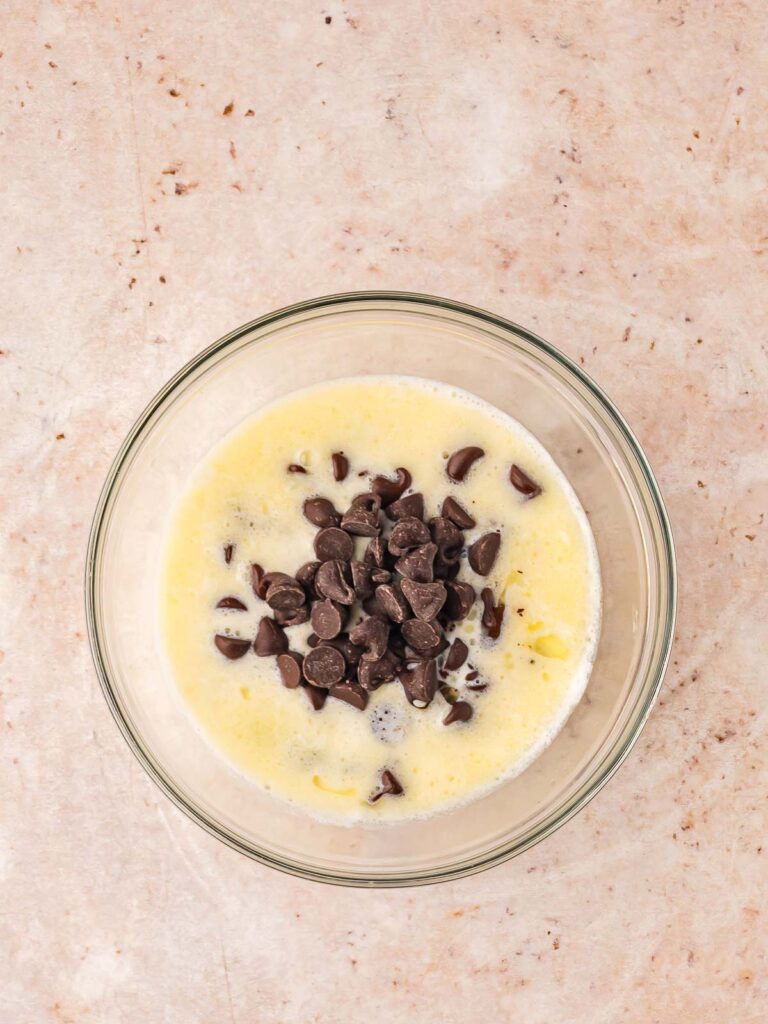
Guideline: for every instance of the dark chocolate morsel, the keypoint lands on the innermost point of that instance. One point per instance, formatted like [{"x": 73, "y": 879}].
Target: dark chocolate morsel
[
  {"x": 392, "y": 601},
  {"x": 461, "y": 597},
  {"x": 460, "y": 711},
  {"x": 350, "y": 693},
  {"x": 316, "y": 696},
  {"x": 462, "y": 461},
  {"x": 229, "y": 550},
  {"x": 447, "y": 536},
  {"x": 293, "y": 616},
  {"x": 296, "y": 468},
  {"x": 411, "y": 506},
  {"x": 327, "y": 619},
  {"x": 286, "y": 595},
  {"x": 333, "y": 543},
  {"x": 418, "y": 565},
  {"x": 324, "y": 666},
  {"x": 420, "y": 683},
  {"x": 493, "y": 614},
  {"x": 379, "y": 576},
  {"x": 289, "y": 667},
  {"x": 523, "y": 483},
  {"x": 482, "y": 554},
  {"x": 352, "y": 653},
  {"x": 362, "y": 579},
  {"x": 456, "y": 656},
  {"x": 231, "y": 647},
  {"x": 232, "y": 602},
  {"x": 306, "y": 576},
  {"x": 372, "y": 634},
  {"x": 257, "y": 575},
  {"x": 424, "y": 637},
  {"x": 426, "y": 599},
  {"x": 320, "y": 512},
  {"x": 270, "y": 639},
  {"x": 389, "y": 786},
  {"x": 457, "y": 514},
  {"x": 331, "y": 581},
  {"x": 361, "y": 523},
  {"x": 340, "y": 464},
  {"x": 313, "y": 640},
  {"x": 376, "y": 553},
  {"x": 268, "y": 579},
  {"x": 407, "y": 534},
  {"x": 390, "y": 490},
  {"x": 373, "y": 674},
  {"x": 368, "y": 501}
]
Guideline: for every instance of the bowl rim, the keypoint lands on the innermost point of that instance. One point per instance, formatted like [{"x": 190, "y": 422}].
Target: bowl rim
[{"x": 601, "y": 773}]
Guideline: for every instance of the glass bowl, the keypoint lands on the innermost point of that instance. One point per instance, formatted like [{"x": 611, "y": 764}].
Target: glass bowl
[{"x": 343, "y": 336}]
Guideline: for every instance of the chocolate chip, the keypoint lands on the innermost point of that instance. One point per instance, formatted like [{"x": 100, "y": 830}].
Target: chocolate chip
[
  {"x": 373, "y": 674},
  {"x": 446, "y": 568},
  {"x": 379, "y": 576},
  {"x": 462, "y": 461},
  {"x": 461, "y": 711},
  {"x": 229, "y": 550},
  {"x": 331, "y": 581},
  {"x": 270, "y": 639},
  {"x": 289, "y": 667},
  {"x": 306, "y": 577},
  {"x": 456, "y": 656},
  {"x": 372, "y": 634},
  {"x": 420, "y": 683},
  {"x": 231, "y": 647},
  {"x": 457, "y": 514},
  {"x": 523, "y": 483},
  {"x": 477, "y": 687},
  {"x": 471, "y": 676},
  {"x": 327, "y": 619},
  {"x": 340, "y": 464},
  {"x": 361, "y": 523},
  {"x": 320, "y": 512},
  {"x": 362, "y": 579},
  {"x": 493, "y": 614},
  {"x": 447, "y": 536},
  {"x": 324, "y": 666},
  {"x": 350, "y": 693},
  {"x": 332, "y": 543},
  {"x": 376, "y": 553},
  {"x": 461, "y": 597},
  {"x": 286, "y": 595},
  {"x": 292, "y": 617},
  {"x": 426, "y": 599},
  {"x": 482, "y": 554},
  {"x": 351, "y": 652},
  {"x": 392, "y": 602},
  {"x": 296, "y": 468},
  {"x": 257, "y": 575},
  {"x": 232, "y": 602},
  {"x": 368, "y": 501},
  {"x": 411, "y": 506},
  {"x": 418, "y": 565},
  {"x": 313, "y": 640},
  {"x": 390, "y": 490},
  {"x": 268, "y": 579},
  {"x": 389, "y": 787},
  {"x": 407, "y": 534},
  {"x": 423, "y": 637},
  {"x": 316, "y": 696}
]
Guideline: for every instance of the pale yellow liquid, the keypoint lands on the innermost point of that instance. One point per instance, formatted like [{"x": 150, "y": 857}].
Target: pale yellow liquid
[{"x": 328, "y": 762}]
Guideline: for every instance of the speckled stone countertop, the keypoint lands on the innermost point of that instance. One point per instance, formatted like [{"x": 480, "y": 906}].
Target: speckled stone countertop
[{"x": 595, "y": 171}]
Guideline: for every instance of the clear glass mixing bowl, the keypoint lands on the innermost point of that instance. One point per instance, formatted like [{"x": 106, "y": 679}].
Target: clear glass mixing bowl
[{"x": 359, "y": 334}]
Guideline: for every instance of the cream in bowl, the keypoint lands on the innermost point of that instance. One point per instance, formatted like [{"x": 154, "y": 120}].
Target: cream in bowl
[{"x": 380, "y": 598}]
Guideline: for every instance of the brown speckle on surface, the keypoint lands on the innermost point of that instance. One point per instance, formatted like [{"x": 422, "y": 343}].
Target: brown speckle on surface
[{"x": 228, "y": 109}]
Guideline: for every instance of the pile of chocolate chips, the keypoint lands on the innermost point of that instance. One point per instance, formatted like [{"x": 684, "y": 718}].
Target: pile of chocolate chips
[{"x": 400, "y": 600}]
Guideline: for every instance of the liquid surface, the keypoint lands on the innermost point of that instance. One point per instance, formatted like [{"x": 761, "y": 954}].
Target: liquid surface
[{"x": 328, "y": 762}]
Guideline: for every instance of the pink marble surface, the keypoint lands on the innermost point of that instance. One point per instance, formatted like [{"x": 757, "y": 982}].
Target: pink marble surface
[{"x": 593, "y": 170}]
